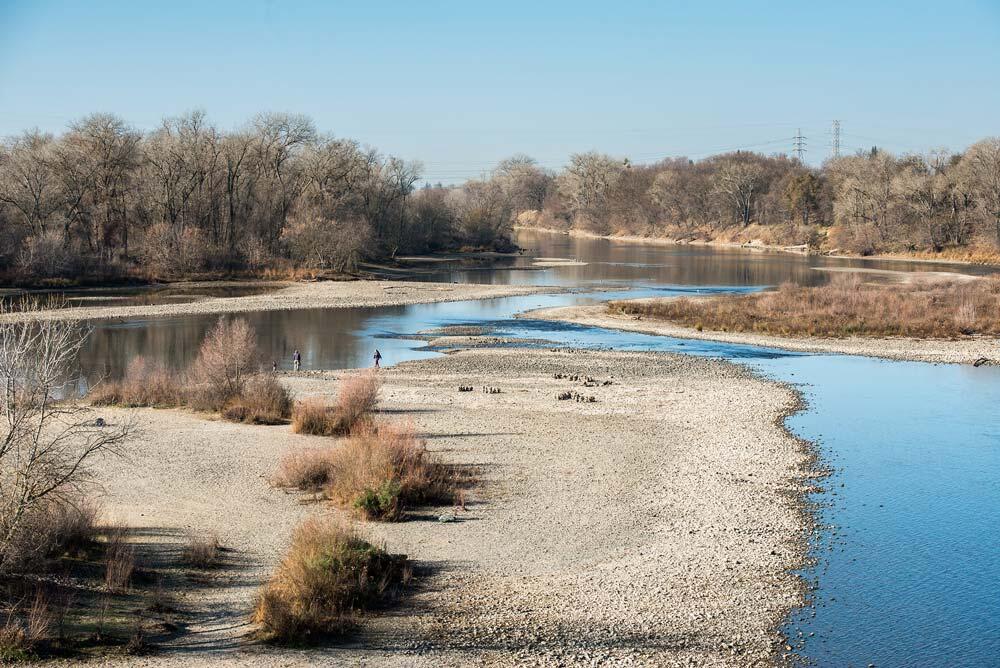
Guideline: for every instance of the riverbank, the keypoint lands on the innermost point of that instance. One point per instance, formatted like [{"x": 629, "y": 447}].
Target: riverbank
[
  {"x": 293, "y": 296},
  {"x": 658, "y": 525},
  {"x": 919, "y": 350},
  {"x": 991, "y": 260}
]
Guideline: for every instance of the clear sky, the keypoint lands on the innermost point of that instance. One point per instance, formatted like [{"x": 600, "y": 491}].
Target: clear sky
[{"x": 459, "y": 85}]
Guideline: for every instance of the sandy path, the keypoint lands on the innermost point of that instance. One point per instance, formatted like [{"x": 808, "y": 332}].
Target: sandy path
[
  {"x": 920, "y": 350},
  {"x": 326, "y": 294},
  {"x": 656, "y": 526}
]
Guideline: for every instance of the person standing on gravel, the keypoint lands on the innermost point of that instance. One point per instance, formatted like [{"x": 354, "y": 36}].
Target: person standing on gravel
[
  {"x": 377, "y": 357},
  {"x": 296, "y": 360}
]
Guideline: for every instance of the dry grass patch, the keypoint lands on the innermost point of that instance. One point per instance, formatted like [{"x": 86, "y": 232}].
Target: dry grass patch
[
  {"x": 845, "y": 307},
  {"x": 314, "y": 416},
  {"x": 146, "y": 383},
  {"x": 329, "y": 576},
  {"x": 382, "y": 468},
  {"x": 264, "y": 400},
  {"x": 357, "y": 398},
  {"x": 202, "y": 551},
  {"x": 306, "y": 469}
]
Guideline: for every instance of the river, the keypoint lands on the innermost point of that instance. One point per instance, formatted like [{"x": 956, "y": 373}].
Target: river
[{"x": 908, "y": 551}]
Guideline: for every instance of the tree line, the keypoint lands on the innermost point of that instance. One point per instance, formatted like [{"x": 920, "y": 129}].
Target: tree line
[
  {"x": 105, "y": 200},
  {"x": 868, "y": 203}
]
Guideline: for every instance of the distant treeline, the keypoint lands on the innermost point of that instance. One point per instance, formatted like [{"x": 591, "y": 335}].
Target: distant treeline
[
  {"x": 869, "y": 203},
  {"x": 104, "y": 200}
]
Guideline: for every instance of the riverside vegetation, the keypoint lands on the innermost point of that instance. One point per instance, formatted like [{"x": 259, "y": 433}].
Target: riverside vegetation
[
  {"x": 277, "y": 198},
  {"x": 845, "y": 307}
]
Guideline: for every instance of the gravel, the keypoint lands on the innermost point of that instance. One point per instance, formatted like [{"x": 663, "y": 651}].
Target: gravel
[{"x": 658, "y": 525}]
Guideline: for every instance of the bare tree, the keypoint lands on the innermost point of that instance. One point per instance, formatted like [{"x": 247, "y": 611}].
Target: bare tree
[
  {"x": 46, "y": 443},
  {"x": 980, "y": 173},
  {"x": 740, "y": 182}
]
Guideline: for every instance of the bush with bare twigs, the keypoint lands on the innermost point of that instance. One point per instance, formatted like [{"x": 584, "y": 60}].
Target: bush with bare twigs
[
  {"x": 356, "y": 399},
  {"x": 383, "y": 468},
  {"x": 328, "y": 577},
  {"x": 264, "y": 400},
  {"x": 46, "y": 445},
  {"x": 845, "y": 307},
  {"x": 146, "y": 383},
  {"x": 228, "y": 357},
  {"x": 307, "y": 469},
  {"x": 314, "y": 416}
]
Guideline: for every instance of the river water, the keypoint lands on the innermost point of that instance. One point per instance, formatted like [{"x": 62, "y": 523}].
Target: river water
[{"x": 907, "y": 566}]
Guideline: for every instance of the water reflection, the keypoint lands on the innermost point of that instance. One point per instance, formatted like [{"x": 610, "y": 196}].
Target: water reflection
[{"x": 908, "y": 575}]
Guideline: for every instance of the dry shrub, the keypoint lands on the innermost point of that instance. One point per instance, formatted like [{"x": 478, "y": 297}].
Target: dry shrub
[
  {"x": 357, "y": 397},
  {"x": 329, "y": 575},
  {"x": 51, "y": 529},
  {"x": 146, "y": 383},
  {"x": 264, "y": 400},
  {"x": 845, "y": 307},
  {"x": 314, "y": 416},
  {"x": 119, "y": 559},
  {"x": 307, "y": 469},
  {"x": 381, "y": 469},
  {"x": 228, "y": 357},
  {"x": 202, "y": 551}
]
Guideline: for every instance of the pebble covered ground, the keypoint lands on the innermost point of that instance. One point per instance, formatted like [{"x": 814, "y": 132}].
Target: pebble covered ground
[{"x": 658, "y": 524}]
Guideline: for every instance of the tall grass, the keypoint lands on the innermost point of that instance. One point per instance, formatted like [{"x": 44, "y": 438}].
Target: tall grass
[
  {"x": 328, "y": 577},
  {"x": 845, "y": 307},
  {"x": 357, "y": 398}
]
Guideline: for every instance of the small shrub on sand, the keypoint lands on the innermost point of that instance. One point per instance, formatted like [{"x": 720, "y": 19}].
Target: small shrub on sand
[
  {"x": 264, "y": 400},
  {"x": 381, "y": 469},
  {"x": 314, "y": 416},
  {"x": 357, "y": 398},
  {"x": 202, "y": 551},
  {"x": 329, "y": 575},
  {"x": 307, "y": 469},
  {"x": 146, "y": 383},
  {"x": 228, "y": 357},
  {"x": 119, "y": 560}
]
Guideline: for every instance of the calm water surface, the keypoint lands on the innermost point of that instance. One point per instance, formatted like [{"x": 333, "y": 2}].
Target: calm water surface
[{"x": 908, "y": 560}]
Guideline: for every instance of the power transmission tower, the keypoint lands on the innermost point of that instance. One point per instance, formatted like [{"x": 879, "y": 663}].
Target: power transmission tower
[
  {"x": 799, "y": 144},
  {"x": 835, "y": 144}
]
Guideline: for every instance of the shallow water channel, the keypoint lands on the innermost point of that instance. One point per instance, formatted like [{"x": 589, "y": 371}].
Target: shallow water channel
[{"x": 908, "y": 553}]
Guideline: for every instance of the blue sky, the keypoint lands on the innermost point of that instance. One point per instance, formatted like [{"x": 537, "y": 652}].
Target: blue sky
[{"x": 459, "y": 85}]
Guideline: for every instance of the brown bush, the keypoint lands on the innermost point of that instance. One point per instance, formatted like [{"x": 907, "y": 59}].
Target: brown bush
[
  {"x": 146, "y": 383},
  {"x": 845, "y": 307},
  {"x": 314, "y": 416},
  {"x": 228, "y": 357},
  {"x": 202, "y": 551},
  {"x": 119, "y": 560},
  {"x": 357, "y": 397},
  {"x": 381, "y": 469},
  {"x": 264, "y": 400},
  {"x": 328, "y": 576},
  {"x": 307, "y": 469}
]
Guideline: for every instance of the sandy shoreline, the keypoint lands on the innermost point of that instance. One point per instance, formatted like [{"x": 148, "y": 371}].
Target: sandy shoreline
[
  {"x": 326, "y": 294},
  {"x": 918, "y": 350},
  {"x": 639, "y": 529}
]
